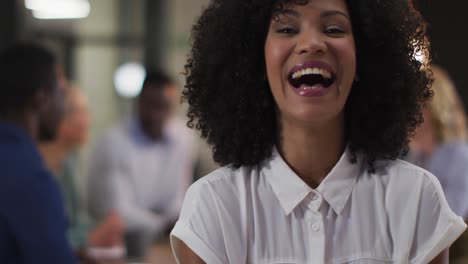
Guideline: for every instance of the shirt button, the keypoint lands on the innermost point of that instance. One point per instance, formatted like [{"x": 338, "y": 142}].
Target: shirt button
[
  {"x": 313, "y": 196},
  {"x": 316, "y": 227}
]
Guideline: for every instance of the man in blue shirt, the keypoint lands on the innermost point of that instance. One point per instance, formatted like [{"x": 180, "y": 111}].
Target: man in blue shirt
[{"x": 32, "y": 216}]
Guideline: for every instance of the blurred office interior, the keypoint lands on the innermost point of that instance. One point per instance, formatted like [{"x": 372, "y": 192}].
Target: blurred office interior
[
  {"x": 95, "y": 38},
  {"x": 92, "y": 46}
]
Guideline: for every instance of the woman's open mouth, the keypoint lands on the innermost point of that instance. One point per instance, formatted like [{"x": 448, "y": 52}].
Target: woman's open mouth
[{"x": 311, "y": 78}]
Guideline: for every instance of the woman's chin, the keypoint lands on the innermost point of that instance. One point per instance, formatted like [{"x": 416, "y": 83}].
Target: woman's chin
[{"x": 308, "y": 116}]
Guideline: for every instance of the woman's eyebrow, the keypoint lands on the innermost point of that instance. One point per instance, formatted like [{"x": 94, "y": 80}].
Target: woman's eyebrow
[
  {"x": 328, "y": 13},
  {"x": 291, "y": 12},
  {"x": 324, "y": 14}
]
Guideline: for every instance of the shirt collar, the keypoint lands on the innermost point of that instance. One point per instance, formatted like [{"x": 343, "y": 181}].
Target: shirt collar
[
  {"x": 288, "y": 187},
  {"x": 290, "y": 190},
  {"x": 338, "y": 185},
  {"x": 137, "y": 133}
]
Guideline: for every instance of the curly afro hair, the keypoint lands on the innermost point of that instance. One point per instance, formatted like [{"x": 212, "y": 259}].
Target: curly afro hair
[{"x": 230, "y": 100}]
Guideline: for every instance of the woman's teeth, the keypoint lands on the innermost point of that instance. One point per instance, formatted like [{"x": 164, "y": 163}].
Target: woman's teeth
[
  {"x": 325, "y": 74},
  {"x": 312, "y": 87}
]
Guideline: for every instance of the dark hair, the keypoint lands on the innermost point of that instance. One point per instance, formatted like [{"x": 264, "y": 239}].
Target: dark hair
[
  {"x": 156, "y": 78},
  {"x": 25, "y": 68},
  {"x": 230, "y": 101}
]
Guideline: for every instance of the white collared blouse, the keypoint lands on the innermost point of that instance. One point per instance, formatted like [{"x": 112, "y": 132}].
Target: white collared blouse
[{"x": 268, "y": 215}]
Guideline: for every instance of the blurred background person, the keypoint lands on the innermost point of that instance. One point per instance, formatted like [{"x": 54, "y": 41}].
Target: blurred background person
[
  {"x": 143, "y": 166},
  {"x": 32, "y": 217},
  {"x": 59, "y": 155},
  {"x": 440, "y": 146}
]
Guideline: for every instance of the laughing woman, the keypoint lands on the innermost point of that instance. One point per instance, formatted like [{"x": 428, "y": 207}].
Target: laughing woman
[{"x": 308, "y": 104}]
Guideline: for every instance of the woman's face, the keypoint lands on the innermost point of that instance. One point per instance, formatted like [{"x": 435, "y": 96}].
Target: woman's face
[
  {"x": 74, "y": 128},
  {"x": 311, "y": 60}
]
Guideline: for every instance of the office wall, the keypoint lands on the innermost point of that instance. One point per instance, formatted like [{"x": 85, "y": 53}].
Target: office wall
[{"x": 183, "y": 13}]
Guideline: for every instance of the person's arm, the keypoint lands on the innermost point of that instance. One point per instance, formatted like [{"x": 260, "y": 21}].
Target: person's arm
[
  {"x": 456, "y": 183},
  {"x": 98, "y": 196},
  {"x": 183, "y": 254},
  {"x": 135, "y": 217},
  {"x": 203, "y": 229},
  {"x": 184, "y": 182},
  {"x": 442, "y": 258},
  {"x": 437, "y": 225},
  {"x": 450, "y": 165},
  {"x": 79, "y": 222},
  {"x": 110, "y": 187},
  {"x": 185, "y": 158},
  {"x": 108, "y": 233},
  {"x": 37, "y": 218}
]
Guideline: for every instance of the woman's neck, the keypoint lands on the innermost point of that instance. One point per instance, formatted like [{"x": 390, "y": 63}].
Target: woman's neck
[{"x": 312, "y": 150}]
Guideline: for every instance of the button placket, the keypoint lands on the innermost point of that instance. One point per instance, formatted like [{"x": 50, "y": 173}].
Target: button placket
[
  {"x": 315, "y": 226},
  {"x": 315, "y": 201},
  {"x": 316, "y": 230},
  {"x": 313, "y": 196}
]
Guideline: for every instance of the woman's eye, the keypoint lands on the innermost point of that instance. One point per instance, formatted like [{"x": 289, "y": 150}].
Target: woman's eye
[
  {"x": 286, "y": 31},
  {"x": 334, "y": 31}
]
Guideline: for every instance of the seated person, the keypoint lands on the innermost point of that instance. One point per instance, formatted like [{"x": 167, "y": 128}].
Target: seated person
[
  {"x": 440, "y": 146},
  {"x": 143, "y": 166},
  {"x": 58, "y": 155},
  {"x": 32, "y": 217}
]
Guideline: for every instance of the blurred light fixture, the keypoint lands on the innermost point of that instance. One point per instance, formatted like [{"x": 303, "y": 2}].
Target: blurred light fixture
[
  {"x": 420, "y": 55},
  {"x": 58, "y": 9},
  {"x": 421, "y": 52},
  {"x": 128, "y": 79}
]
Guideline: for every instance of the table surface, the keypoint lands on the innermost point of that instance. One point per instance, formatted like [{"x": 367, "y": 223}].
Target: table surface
[{"x": 160, "y": 254}]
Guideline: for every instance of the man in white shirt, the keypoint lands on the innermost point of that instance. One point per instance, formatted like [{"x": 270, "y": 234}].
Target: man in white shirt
[{"x": 142, "y": 167}]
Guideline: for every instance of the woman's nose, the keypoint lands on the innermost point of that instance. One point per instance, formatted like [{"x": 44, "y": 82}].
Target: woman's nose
[{"x": 311, "y": 41}]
